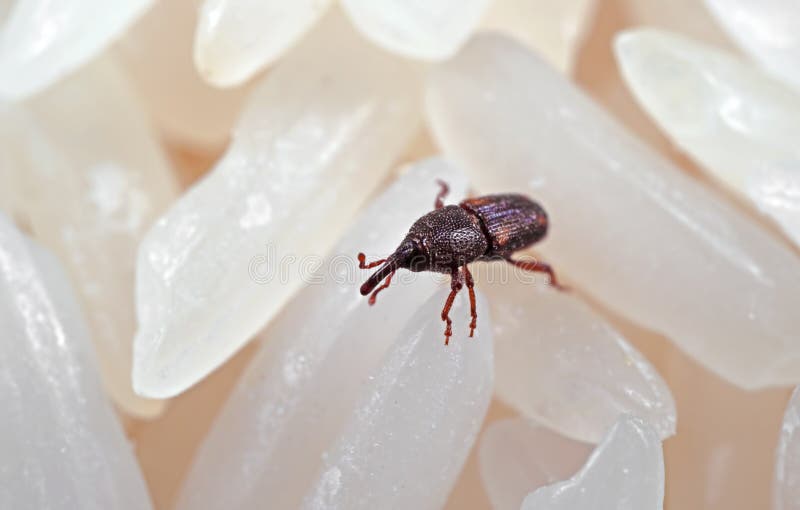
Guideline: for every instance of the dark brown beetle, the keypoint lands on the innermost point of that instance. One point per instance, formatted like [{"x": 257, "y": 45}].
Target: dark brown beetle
[{"x": 445, "y": 240}]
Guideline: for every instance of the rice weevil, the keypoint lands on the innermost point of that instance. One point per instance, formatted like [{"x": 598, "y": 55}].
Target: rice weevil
[{"x": 445, "y": 240}]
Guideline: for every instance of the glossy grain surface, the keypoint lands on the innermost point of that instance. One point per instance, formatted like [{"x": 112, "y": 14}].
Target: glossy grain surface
[
  {"x": 61, "y": 445},
  {"x": 632, "y": 229},
  {"x": 314, "y": 140}
]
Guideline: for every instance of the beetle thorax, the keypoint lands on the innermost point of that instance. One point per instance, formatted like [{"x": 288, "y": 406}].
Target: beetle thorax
[{"x": 448, "y": 238}]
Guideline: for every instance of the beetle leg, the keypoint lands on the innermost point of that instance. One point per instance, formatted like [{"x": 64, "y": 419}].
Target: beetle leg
[
  {"x": 472, "y": 308},
  {"x": 538, "y": 267},
  {"x": 385, "y": 284},
  {"x": 455, "y": 286},
  {"x": 445, "y": 189},
  {"x": 362, "y": 263}
]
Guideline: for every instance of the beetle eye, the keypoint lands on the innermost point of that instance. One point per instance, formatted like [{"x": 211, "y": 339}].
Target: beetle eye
[
  {"x": 418, "y": 262},
  {"x": 416, "y": 255}
]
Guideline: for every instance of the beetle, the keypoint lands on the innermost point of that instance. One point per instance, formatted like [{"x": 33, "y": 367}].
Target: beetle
[{"x": 490, "y": 227}]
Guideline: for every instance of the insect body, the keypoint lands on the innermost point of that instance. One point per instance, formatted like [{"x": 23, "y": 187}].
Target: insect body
[{"x": 448, "y": 238}]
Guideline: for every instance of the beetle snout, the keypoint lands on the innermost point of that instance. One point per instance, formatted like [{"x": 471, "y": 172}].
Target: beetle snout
[{"x": 367, "y": 287}]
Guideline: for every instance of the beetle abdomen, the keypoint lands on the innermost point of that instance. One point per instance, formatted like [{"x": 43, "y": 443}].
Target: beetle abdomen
[{"x": 511, "y": 221}]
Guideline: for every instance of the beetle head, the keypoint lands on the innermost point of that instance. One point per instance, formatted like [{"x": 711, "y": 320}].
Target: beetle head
[{"x": 409, "y": 255}]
